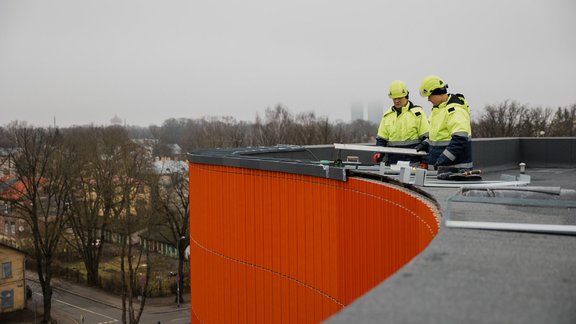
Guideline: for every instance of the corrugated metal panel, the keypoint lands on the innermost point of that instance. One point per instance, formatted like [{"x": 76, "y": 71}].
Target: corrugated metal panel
[{"x": 270, "y": 247}]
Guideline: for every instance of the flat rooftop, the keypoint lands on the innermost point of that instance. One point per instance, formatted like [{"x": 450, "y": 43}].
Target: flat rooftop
[{"x": 482, "y": 276}]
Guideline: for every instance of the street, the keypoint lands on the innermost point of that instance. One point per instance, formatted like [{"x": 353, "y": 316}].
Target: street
[{"x": 70, "y": 307}]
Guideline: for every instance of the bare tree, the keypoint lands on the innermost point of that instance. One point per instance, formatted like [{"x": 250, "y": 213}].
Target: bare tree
[
  {"x": 501, "y": 120},
  {"x": 41, "y": 166},
  {"x": 535, "y": 122},
  {"x": 325, "y": 133},
  {"x": 564, "y": 122},
  {"x": 97, "y": 152},
  {"x": 511, "y": 119},
  {"x": 275, "y": 128},
  {"x": 131, "y": 217},
  {"x": 4, "y": 138},
  {"x": 171, "y": 200},
  {"x": 358, "y": 131},
  {"x": 172, "y": 130},
  {"x": 215, "y": 132},
  {"x": 193, "y": 135}
]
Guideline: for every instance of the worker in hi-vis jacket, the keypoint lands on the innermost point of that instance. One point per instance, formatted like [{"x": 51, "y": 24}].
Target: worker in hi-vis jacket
[
  {"x": 450, "y": 138},
  {"x": 404, "y": 125}
]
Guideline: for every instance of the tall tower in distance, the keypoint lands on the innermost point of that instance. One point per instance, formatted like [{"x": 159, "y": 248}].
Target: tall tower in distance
[
  {"x": 116, "y": 121},
  {"x": 356, "y": 111},
  {"x": 375, "y": 111}
]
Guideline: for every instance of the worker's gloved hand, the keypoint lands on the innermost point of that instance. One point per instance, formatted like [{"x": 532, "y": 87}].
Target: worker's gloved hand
[
  {"x": 378, "y": 157},
  {"x": 421, "y": 147},
  {"x": 381, "y": 142},
  {"x": 437, "y": 165}
]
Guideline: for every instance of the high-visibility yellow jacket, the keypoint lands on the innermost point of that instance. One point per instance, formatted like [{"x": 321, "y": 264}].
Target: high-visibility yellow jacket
[
  {"x": 403, "y": 128},
  {"x": 450, "y": 134}
]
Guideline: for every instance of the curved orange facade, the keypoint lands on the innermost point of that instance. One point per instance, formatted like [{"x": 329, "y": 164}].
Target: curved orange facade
[{"x": 270, "y": 247}]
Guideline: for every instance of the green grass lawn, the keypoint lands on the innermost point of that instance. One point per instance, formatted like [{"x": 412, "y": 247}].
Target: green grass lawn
[{"x": 161, "y": 281}]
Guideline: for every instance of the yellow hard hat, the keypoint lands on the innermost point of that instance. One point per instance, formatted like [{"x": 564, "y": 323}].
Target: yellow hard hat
[
  {"x": 431, "y": 83},
  {"x": 398, "y": 89}
]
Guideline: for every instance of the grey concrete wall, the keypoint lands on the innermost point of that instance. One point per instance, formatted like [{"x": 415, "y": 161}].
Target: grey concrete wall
[
  {"x": 536, "y": 152},
  {"x": 549, "y": 152},
  {"x": 495, "y": 153}
]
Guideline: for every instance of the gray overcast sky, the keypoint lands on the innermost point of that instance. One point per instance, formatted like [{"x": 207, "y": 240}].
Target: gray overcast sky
[{"x": 146, "y": 61}]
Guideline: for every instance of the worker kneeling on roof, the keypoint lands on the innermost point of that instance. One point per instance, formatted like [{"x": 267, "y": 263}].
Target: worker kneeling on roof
[
  {"x": 404, "y": 125},
  {"x": 450, "y": 137}
]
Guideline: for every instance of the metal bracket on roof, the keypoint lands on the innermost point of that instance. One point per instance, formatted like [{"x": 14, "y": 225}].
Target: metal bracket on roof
[
  {"x": 506, "y": 226},
  {"x": 427, "y": 178},
  {"x": 505, "y": 180}
]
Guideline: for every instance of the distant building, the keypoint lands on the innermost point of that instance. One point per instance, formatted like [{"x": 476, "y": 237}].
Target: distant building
[
  {"x": 175, "y": 149},
  {"x": 357, "y": 111},
  {"x": 166, "y": 165},
  {"x": 148, "y": 144},
  {"x": 159, "y": 240},
  {"x": 13, "y": 227},
  {"x": 116, "y": 120},
  {"x": 375, "y": 111},
  {"x": 12, "y": 279},
  {"x": 7, "y": 162}
]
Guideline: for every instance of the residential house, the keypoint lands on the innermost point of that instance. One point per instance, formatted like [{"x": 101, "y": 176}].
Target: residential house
[
  {"x": 12, "y": 227},
  {"x": 7, "y": 161},
  {"x": 148, "y": 144},
  {"x": 160, "y": 241},
  {"x": 12, "y": 279}
]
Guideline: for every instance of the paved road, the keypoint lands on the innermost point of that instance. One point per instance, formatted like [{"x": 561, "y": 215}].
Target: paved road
[{"x": 71, "y": 304}]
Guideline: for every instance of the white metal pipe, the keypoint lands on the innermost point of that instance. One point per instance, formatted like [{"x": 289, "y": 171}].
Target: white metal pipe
[
  {"x": 536, "y": 228},
  {"x": 383, "y": 149}
]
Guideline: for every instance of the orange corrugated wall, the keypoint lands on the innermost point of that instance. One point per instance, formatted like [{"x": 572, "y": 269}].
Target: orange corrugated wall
[{"x": 270, "y": 247}]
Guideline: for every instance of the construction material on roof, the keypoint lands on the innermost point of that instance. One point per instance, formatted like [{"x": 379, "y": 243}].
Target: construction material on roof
[
  {"x": 382, "y": 149},
  {"x": 547, "y": 198}
]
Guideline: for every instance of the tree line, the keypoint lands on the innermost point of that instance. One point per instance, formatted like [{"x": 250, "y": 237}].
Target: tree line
[
  {"x": 513, "y": 119},
  {"x": 279, "y": 126}
]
